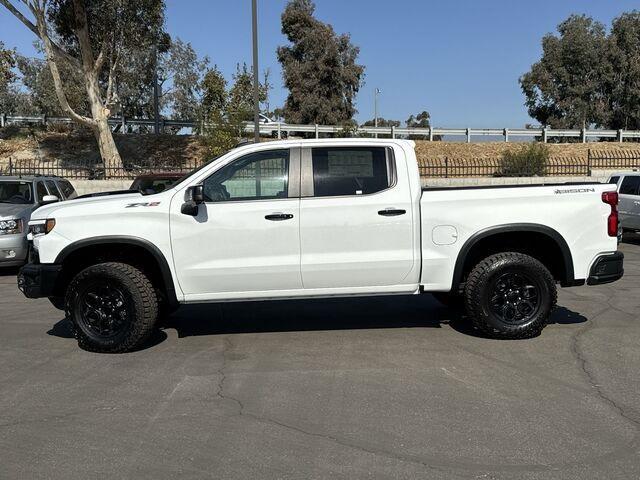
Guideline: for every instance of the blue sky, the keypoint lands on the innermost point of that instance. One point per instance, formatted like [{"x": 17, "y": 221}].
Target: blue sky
[{"x": 460, "y": 60}]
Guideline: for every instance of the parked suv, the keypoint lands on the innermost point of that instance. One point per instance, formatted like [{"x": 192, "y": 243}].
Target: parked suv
[
  {"x": 19, "y": 197},
  {"x": 628, "y": 185}
]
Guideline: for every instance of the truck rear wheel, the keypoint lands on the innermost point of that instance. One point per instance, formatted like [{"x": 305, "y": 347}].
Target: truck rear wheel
[
  {"x": 112, "y": 307},
  {"x": 510, "y": 295}
]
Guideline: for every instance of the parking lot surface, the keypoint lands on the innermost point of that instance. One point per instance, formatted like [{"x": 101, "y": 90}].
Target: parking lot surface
[{"x": 386, "y": 387}]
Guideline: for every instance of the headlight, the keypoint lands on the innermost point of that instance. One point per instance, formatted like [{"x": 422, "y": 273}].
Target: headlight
[
  {"x": 9, "y": 227},
  {"x": 41, "y": 227}
]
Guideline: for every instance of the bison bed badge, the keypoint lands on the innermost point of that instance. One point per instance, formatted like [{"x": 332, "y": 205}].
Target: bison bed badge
[
  {"x": 574, "y": 190},
  {"x": 143, "y": 204}
]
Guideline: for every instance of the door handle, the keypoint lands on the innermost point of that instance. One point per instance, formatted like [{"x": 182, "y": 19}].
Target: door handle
[
  {"x": 391, "y": 212},
  {"x": 278, "y": 217}
]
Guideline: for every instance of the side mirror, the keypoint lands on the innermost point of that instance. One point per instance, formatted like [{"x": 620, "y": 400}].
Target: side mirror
[
  {"x": 47, "y": 199},
  {"x": 197, "y": 194},
  {"x": 193, "y": 197}
]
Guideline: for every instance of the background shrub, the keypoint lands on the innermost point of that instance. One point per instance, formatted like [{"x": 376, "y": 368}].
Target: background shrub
[{"x": 528, "y": 161}]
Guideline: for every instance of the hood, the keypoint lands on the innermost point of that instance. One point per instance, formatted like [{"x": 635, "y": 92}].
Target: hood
[
  {"x": 15, "y": 210},
  {"x": 47, "y": 211}
]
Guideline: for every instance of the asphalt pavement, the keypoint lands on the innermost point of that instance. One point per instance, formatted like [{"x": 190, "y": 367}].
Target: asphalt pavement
[{"x": 385, "y": 387}]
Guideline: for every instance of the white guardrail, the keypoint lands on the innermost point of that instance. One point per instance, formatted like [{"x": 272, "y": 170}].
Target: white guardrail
[{"x": 279, "y": 130}]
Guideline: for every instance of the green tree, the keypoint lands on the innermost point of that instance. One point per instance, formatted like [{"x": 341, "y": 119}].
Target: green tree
[
  {"x": 319, "y": 68},
  {"x": 214, "y": 95},
  {"x": 566, "y": 88},
  {"x": 241, "y": 93},
  {"x": 7, "y": 78},
  {"x": 181, "y": 68},
  {"x": 382, "y": 122},
  {"x": 624, "y": 71},
  {"x": 93, "y": 38},
  {"x": 421, "y": 120}
]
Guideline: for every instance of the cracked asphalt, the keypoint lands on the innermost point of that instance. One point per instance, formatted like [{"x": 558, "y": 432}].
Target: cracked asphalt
[{"x": 392, "y": 387}]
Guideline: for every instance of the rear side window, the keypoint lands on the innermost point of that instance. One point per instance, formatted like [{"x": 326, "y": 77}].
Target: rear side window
[
  {"x": 67, "y": 189},
  {"x": 630, "y": 185},
  {"x": 341, "y": 171},
  {"x": 614, "y": 180}
]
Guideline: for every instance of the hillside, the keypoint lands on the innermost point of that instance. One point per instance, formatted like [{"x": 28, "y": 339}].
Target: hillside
[{"x": 71, "y": 151}]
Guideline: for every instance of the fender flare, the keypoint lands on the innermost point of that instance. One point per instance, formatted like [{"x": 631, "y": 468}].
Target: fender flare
[
  {"x": 515, "y": 227},
  {"x": 155, "y": 252}
]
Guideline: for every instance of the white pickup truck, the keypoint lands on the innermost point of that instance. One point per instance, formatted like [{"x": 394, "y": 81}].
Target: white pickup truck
[{"x": 318, "y": 218}]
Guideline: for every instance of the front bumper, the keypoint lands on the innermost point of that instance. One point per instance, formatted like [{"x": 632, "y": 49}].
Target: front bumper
[
  {"x": 606, "y": 269},
  {"x": 38, "y": 280},
  {"x": 13, "y": 250}
]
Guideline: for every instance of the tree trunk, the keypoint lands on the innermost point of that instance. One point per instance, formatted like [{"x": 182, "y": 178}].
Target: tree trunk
[{"x": 108, "y": 150}]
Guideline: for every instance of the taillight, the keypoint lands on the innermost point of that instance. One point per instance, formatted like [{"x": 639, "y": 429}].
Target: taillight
[{"x": 611, "y": 198}]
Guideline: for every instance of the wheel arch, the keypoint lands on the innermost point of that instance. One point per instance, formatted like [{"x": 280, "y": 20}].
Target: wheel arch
[
  {"x": 112, "y": 244},
  {"x": 503, "y": 235}
]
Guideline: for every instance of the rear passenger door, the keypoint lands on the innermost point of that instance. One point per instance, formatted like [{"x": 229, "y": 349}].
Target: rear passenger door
[
  {"x": 355, "y": 218},
  {"x": 629, "y": 203}
]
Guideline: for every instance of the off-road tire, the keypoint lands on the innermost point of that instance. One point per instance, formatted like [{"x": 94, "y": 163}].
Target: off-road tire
[
  {"x": 138, "y": 290},
  {"x": 478, "y": 289}
]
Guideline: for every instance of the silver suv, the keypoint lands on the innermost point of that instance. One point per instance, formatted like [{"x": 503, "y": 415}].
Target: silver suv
[
  {"x": 19, "y": 197},
  {"x": 628, "y": 186}
]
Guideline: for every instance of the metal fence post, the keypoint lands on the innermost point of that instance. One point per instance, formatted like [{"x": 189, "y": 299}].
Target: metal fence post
[
  {"x": 544, "y": 134},
  {"x": 3, "y": 120},
  {"x": 446, "y": 167},
  {"x": 588, "y": 162},
  {"x": 583, "y": 135},
  {"x": 279, "y": 131},
  {"x": 468, "y": 135},
  {"x": 506, "y": 135},
  {"x": 620, "y": 136},
  {"x": 393, "y": 131},
  {"x": 430, "y": 133},
  {"x": 124, "y": 124},
  {"x": 44, "y": 119},
  {"x": 317, "y": 133},
  {"x": 10, "y": 166}
]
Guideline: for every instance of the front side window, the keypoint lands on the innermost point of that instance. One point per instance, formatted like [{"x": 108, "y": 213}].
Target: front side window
[
  {"x": 257, "y": 176},
  {"x": 53, "y": 189},
  {"x": 630, "y": 185},
  {"x": 350, "y": 171},
  {"x": 42, "y": 191}
]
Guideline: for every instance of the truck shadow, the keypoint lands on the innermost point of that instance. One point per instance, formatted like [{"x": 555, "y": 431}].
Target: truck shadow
[{"x": 419, "y": 311}]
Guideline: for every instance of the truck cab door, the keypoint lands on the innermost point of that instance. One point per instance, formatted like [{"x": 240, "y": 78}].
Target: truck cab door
[
  {"x": 356, "y": 219},
  {"x": 244, "y": 240}
]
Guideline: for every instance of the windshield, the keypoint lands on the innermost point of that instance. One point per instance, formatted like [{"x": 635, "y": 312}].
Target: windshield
[{"x": 16, "y": 192}]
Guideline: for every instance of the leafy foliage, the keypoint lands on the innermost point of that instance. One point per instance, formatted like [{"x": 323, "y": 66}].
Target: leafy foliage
[
  {"x": 319, "y": 68},
  {"x": 587, "y": 77},
  {"x": 528, "y": 161}
]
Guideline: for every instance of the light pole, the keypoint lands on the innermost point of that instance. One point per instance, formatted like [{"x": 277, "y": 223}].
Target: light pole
[
  {"x": 375, "y": 109},
  {"x": 256, "y": 96}
]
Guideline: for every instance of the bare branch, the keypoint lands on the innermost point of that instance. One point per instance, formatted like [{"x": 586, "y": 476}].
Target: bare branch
[
  {"x": 57, "y": 50},
  {"x": 55, "y": 73}
]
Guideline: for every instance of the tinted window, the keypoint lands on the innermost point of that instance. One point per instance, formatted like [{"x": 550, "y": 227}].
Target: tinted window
[
  {"x": 67, "y": 189},
  {"x": 53, "y": 189},
  {"x": 350, "y": 171},
  {"x": 257, "y": 176},
  {"x": 614, "y": 180},
  {"x": 630, "y": 185},
  {"x": 41, "y": 191}
]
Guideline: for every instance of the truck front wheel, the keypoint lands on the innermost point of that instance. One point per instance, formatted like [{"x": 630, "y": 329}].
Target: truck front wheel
[
  {"x": 112, "y": 307},
  {"x": 510, "y": 295}
]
